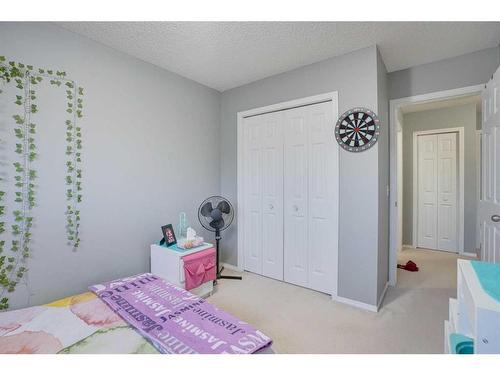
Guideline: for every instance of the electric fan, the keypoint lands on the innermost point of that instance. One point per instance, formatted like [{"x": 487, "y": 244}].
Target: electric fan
[{"x": 216, "y": 214}]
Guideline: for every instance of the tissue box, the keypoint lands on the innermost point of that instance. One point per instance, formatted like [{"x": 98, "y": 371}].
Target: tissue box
[{"x": 185, "y": 243}]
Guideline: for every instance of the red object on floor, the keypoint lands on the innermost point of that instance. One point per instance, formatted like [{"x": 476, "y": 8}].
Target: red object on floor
[{"x": 409, "y": 266}]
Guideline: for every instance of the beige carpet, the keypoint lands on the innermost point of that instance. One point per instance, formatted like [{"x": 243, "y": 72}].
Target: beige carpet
[{"x": 303, "y": 321}]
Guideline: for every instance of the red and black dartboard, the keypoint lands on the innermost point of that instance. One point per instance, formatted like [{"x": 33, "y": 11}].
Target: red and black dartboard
[{"x": 357, "y": 129}]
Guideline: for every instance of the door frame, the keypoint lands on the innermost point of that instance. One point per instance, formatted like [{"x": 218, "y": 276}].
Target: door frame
[
  {"x": 301, "y": 102},
  {"x": 394, "y": 111},
  {"x": 461, "y": 183},
  {"x": 479, "y": 185}
]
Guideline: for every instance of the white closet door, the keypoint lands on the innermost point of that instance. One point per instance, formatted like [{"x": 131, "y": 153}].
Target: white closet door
[
  {"x": 296, "y": 130},
  {"x": 437, "y": 192},
  {"x": 263, "y": 192},
  {"x": 272, "y": 196},
  {"x": 289, "y": 196},
  {"x": 427, "y": 191},
  {"x": 322, "y": 171},
  {"x": 447, "y": 192},
  {"x": 253, "y": 136},
  {"x": 310, "y": 170}
]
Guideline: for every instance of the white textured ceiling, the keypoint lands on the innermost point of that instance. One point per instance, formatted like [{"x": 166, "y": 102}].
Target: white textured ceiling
[{"x": 223, "y": 55}]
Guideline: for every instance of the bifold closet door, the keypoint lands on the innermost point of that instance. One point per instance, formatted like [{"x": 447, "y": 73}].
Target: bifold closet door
[
  {"x": 427, "y": 191},
  {"x": 263, "y": 194},
  {"x": 437, "y": 191},
  {"x": 310, "y": 169},
  {"x": 447, "y": 239}
]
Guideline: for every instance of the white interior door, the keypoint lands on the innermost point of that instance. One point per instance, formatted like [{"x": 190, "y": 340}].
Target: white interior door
[
  {"x": 310, "y": 172},
  {"x": 489, "y": 212},
  {"x": 296, "y": 223},
  {"x": 322, "y": 167},
  {"x": 437, "y": 191},
  {"x": 289, "y": 196},
  {"x": 272, "y": 196},
  {"x": 427, "y": 191},
  {"x": 447, "y": 192},
  {"x": 252, "y": 230},
  {"x": 263, "y": 195}
]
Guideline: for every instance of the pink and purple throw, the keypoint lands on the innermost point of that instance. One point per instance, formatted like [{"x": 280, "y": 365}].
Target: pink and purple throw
[{"x": 177, "y": 321}]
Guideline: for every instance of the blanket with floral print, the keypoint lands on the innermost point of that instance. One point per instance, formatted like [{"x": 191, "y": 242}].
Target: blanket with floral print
[{"x": 77, "y": 324}]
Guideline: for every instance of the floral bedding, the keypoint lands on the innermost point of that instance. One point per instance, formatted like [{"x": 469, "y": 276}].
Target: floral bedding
[{"x": 78, "y": 324}]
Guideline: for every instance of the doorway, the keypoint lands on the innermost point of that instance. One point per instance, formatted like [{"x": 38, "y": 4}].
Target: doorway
[{"x": 404, "y": 171}]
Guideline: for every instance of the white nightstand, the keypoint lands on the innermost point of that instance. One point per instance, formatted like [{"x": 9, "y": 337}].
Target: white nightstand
[{"x": 167, "y": 263}]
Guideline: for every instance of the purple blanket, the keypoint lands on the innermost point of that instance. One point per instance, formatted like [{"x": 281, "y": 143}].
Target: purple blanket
[{"x": 175, "y": 320}]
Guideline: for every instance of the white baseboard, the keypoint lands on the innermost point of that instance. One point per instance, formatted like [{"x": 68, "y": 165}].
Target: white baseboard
[
  {"x": 362, "y": 305},
  {"x": 471, "y": 255},
  {"x": 231, "y": 267},
  {"x": 382, "y": 296},
  {"x": 354, "y": 303}
]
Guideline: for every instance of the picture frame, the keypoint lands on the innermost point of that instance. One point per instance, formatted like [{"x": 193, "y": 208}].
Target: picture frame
[{"x": 168, "y": 235}]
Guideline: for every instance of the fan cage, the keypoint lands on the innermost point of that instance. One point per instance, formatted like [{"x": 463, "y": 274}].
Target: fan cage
[{"x": 227, "y": 217}]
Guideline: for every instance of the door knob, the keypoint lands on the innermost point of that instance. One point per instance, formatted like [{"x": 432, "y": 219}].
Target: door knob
[
  {"x": 495, "y": 218},
  {"x": 271, "y": 206},
  {"x": 295, "y": 208}
]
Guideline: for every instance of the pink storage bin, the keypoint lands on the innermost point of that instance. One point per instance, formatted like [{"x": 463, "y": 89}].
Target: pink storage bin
[{"x": 199, "y": 268}]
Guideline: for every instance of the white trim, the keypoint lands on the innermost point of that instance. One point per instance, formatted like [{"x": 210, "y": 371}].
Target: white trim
[
  {"x": 228, "y": 266},
  {"x": 354, "y": 303},
  {"x": 330, "y": 96},
  {"x": 395, "y": 107},
  {"x": 479, "y": 169},
  {"x": 471, "y": 255},
  {"x": 290, "y": 104},
  {"x": 414, "y": 234},
  {"x": 382, "y": 296},
  {"x": 400, "y": 184},
  {"x": 461, "y": 183}
]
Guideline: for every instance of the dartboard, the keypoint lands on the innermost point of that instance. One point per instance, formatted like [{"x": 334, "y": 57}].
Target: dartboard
[{"x": 357, "y": 130}]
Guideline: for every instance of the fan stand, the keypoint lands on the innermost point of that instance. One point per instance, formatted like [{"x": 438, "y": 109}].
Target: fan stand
[{"x": 219, "y": 270}]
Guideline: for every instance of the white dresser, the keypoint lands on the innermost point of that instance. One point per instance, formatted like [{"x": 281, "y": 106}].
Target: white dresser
[
  {"x": 474, "y": 314},
  {"x": 168, "y": 264}
]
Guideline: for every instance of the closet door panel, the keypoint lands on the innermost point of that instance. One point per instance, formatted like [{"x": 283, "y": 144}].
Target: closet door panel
[
  {"x": 296, "y": 231},
  {"x": 427, "y": 191},
  {"x": 272, "y": 196},
  {"x": 447, "y": 192},
  {"x": 322, "y": 170},
  {"x": 253, "y": 195}
]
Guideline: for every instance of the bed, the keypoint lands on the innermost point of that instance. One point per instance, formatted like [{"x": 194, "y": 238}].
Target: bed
[{"x": 82, "y": 323}]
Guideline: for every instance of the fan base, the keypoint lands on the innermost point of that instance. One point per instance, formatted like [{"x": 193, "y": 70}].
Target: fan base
[
  {"x": 219, "y": 276},
  {"x": 229, "y": 277}
]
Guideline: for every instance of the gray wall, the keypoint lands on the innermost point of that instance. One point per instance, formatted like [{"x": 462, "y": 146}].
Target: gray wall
[
  {"x": 383, "y": 178},
  {"x": 466, "y": 70},
  {"x": 151, "y": 149},
  {"x": 451, "y": 117},
  {"x": 354, "y": 76}
]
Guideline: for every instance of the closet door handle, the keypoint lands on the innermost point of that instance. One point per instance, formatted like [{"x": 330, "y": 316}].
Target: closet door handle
[
  {"x": 295, "y": 208},
  {"x": 495, "y": 218},
  {"x": 271, "y": 206}
]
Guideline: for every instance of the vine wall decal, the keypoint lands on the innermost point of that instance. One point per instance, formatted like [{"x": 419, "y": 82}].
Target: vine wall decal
[{"x": 26, "y": 78}]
